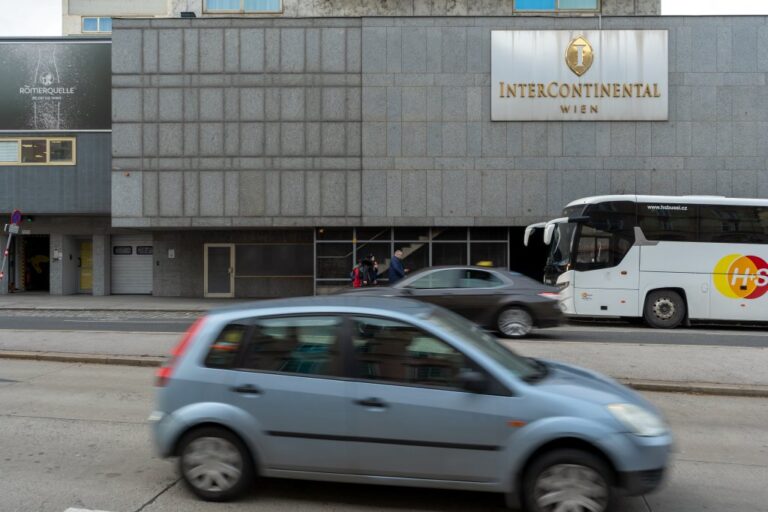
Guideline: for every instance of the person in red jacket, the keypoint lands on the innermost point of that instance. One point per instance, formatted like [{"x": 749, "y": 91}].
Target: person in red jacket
[{"x": 358, "y": 275}]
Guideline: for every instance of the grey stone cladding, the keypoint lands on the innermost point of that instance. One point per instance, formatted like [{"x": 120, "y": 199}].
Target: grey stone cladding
[{"x": 386, "y": 121}]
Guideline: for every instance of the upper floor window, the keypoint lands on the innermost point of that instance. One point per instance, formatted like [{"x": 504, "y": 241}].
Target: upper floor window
[
  {"x": 97, "y": 25},
  {"x": 557, "y": 5},
  {"x": 38, "y": 151},
  {"x": 244, "y": 6}
]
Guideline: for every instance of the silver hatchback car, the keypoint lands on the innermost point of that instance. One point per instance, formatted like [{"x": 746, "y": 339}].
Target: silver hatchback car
[{"x": 396, "y": 392}]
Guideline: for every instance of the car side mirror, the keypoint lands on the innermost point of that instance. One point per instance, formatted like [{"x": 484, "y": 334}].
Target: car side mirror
[{"x": 472, "y": 381}]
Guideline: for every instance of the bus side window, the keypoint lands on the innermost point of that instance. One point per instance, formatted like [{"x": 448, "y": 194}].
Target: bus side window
[
  {"x": 733, "y": 224},
  {"x": 668, "y": 222}
]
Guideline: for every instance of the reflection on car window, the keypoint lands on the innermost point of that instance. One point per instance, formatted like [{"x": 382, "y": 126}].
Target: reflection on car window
[
  {"x": 396, "y": 352},
  {"x": 304, "y": 345},
  {"x": 478, "y": 279},
  {"x": 448, "y": 278},
  {"x": 225, "y": 347}
]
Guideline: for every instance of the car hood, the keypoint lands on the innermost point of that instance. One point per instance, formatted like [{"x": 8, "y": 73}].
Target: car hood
[{"x": 582, "y": 384}]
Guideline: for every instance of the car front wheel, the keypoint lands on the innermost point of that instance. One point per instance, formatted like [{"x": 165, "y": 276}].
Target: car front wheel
[
  {"x": 215, "y": 464},
  {"x": 515, "y": 322},
  {"x": 567, "y": 480}
]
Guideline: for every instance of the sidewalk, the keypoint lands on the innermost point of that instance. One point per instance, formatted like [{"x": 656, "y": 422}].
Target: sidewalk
[
  {"x": 35, "y": 301},
  {"x": 737, "y": 371}
]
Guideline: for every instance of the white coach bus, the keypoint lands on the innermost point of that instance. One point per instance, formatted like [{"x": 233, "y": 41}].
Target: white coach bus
[{"x": 668, "y": 259}]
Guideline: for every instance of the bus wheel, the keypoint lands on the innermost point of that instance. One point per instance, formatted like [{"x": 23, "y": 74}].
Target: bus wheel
[{"x": 664, "y": 309}]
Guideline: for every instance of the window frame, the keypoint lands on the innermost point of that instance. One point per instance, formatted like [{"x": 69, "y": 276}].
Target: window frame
[
  {"x": 48, "y": 162},
  {"x": 242, "y": 10},
  {"x": 98, "y": 25},
  {"x": 557, "y": 10}
]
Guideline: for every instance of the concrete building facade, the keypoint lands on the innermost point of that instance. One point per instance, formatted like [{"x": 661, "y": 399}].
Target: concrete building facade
[{"x": 340, "y": 137}]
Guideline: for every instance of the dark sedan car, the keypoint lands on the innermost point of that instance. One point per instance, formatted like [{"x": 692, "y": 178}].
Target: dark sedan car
[{"x": 495, "y": 299}]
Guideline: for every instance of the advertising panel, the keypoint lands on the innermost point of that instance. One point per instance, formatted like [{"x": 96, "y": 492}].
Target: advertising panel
[
  {"x": 55, "y": 85},
  {"x": 574, "y": 75}
]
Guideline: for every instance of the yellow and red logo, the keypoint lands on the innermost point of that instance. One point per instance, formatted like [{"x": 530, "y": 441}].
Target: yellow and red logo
[{"x": 741, "y": 277}]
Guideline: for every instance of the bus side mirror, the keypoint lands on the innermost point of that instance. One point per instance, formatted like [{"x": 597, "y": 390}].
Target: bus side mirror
[{"x": 548, "y": 232}]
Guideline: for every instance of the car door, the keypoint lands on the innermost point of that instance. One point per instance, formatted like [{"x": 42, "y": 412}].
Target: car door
[
  {"x": 411, "y": 418},
  {"x": 289, "y": 381},
  {"x": 436, "y": 287},
  {"x": 477, "y": 296}
]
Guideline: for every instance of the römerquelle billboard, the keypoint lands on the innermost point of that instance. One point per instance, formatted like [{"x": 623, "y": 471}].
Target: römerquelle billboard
[{"x": 55, "y": 85}]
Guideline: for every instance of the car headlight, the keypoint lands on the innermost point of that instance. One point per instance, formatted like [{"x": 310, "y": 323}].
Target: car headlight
[{"x": 640, "y": 421}]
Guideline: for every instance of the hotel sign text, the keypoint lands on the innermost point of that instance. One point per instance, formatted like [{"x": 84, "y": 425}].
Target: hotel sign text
[{"x": 592, "y": 75}]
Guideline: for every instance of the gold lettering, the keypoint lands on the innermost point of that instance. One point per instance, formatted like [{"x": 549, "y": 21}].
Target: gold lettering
[
  {"x": 656, "y": 91},
  {"x": 583, "y": 109},
  {"x": 589, "y": 90},
  {"x": 549, "y": 89},
  {"x": 501, "y": 89},
  {"x": 593, "y": 109},
  {"x": 565, "y": 109},
  {"x": 616, "y": 90},
  {"x": 627, "y": 93},
  {"x": 565, "y": 90},
  {"x": 540, "y": 91},
  {"x": 576, "y": 90},
  {"x": 522, "y": 90},
  {"x": 647, "y": 91},
  {"x": 531, "y": 90},
  {"x": 605, "y": 90},
  {"x": 511, "y": 91}
]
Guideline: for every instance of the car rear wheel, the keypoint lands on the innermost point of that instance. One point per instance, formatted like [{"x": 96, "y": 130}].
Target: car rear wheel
[
  {"x": 664, "y": 309},
  {"x": 572, "y": 480},
  {"x": 515, "y": 322},
  {"x": 215, "y": 464}
]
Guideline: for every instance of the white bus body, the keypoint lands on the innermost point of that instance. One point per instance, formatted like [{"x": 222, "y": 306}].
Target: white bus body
[{"x": 711, "y": 252}]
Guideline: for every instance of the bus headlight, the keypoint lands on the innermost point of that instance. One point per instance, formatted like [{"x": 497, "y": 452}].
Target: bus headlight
[{"x": 563, "y": 285}]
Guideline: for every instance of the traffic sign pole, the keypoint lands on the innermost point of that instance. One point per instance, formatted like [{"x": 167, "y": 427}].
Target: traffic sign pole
[{"x": 13, "y": 228}]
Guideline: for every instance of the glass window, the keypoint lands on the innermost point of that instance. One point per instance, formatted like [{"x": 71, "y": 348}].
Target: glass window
[
  {"x": 61, "y": 151},
  {"x": 222, "y": 5},
  {"x": 144, "y": 250},
  {"x": 9, "y": 151},
  {"x": 449, "y": 233},
  {"x": 90, "y": 24},
  {"x": 488, "y": 233},
  {"x": 263, "y": 5},
  {"x": 577, "y": 5},
  {"x": 535, "y": 5},
  {"x": 420, "y": 234},
  {"x": 488, "y": 254},
  {"x": 334, "y": 234},
  {"x": 34, "y": 151},
  {"x": 122, "y": 250},
  {"x": 105, "y": 24},
  {"x": 225, "y": 347},
  {"x": 479, "y": 279},
  {"x": 396, "y": 352},
  {"x": 374, "y": 234},
  {"x": 273, "y": 260},
  {"x": 377, "y": 254},
  {"x": 601, "y": 249},
  {"x": 438, "y": 279},
  {"x": 334, "y": 261},
  {"x": 668, "y": 222},
  {"x": 303, "y": 345},
  {"x": 416, "y": 255},
  {"x": 733, "y": 224},
  {"x": 449, "y": 254}
]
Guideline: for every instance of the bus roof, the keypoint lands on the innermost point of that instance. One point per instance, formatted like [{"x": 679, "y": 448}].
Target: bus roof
[{"x": 737, "y": 201}]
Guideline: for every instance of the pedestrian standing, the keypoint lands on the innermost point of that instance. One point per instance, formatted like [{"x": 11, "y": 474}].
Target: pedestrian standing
[
  {"x": 371, "y": 270},
  {"x": 357, "y": 275},
  {"x": 396, "y": 269}
]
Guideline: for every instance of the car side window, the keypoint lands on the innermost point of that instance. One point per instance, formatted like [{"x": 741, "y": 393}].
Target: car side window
[
  {"x": 225, "y": 347},
  {"x": 399, "y": 353},
  {"x": 479, "y": 279},
  {"x": 448, "y": 278},
  {"x": 305, "y": 345}
]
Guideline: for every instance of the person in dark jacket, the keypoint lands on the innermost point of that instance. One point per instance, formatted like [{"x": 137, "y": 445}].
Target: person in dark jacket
[{"x": 396, "y": 269}]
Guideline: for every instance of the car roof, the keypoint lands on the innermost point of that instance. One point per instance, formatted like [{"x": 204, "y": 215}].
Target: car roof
[{"x": 333, "y": 302}]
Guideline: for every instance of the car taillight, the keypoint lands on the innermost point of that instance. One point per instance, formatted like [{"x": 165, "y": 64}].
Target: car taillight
[
  {"x": 163, "y": 374},
  {"x": 550, "y": 295}
]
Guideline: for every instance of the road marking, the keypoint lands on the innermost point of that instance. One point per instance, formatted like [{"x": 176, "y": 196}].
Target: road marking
[{"x": 84, "y": 510}]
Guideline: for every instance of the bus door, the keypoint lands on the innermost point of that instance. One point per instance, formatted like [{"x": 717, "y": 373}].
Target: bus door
[{"x": 607, "y": 273}]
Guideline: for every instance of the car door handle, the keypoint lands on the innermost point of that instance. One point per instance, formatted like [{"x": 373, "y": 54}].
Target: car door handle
[
  {"x": 372, "y": 402},
  {"x": 247, "y": 389}
]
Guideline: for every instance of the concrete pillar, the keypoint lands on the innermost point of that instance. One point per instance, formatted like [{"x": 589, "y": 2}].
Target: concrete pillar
[
  {"x": 101, "y": 265},
  {"x": 64, "y": 271},
  {"x": 4, "y": 283}
]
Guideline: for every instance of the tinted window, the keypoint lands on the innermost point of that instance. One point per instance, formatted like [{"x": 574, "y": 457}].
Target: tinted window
[
  {"x": 478, "y": 279},
  {"x": 304, "y": 345},
  {"x": 145, "y": 250},
  {"x": 396, "y": 352},
  {"x": 122, "y": 250},
  {"x": 448, "y": 278},
  {"x": 225, "y": 347},
  {"x": 733, "y": 224},
  {"x": 668, "y": 222}
]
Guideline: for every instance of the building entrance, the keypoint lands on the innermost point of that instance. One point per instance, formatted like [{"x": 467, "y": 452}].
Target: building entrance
[{"x": 36, "y": 263}]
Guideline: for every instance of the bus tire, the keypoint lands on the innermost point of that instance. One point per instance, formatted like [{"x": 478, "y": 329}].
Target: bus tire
[{"x": 664, "y": 309}]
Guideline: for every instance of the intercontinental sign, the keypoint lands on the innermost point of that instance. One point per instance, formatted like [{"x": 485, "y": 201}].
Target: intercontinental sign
[{"x": 592, "y": 75}]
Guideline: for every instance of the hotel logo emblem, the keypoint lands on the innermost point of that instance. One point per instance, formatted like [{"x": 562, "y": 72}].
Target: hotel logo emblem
[{"x": 579, "y": 56}]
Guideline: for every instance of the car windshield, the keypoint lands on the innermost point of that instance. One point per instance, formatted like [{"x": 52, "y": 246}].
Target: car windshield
[{"x": 524, "y": 368}]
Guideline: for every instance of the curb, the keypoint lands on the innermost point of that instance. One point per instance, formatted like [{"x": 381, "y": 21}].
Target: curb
[
  {"x": 658, "y": 386},
  {"x": 106, "y": 310}
]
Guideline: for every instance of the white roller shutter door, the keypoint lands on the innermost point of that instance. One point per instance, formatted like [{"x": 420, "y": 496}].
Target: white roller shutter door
[{"x": 131, "y": 269}]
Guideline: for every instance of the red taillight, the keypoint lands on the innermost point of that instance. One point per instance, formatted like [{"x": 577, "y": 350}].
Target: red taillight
[{"x": 163, "y": 374}]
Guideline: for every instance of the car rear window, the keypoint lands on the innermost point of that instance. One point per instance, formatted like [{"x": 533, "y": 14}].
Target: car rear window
[{"x": 226, "y": 346}]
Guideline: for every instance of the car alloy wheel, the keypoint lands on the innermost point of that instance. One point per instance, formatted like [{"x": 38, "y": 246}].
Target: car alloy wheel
[
  {"x": 515, "y": 322},
  {"x": 571, "y": 487}
]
